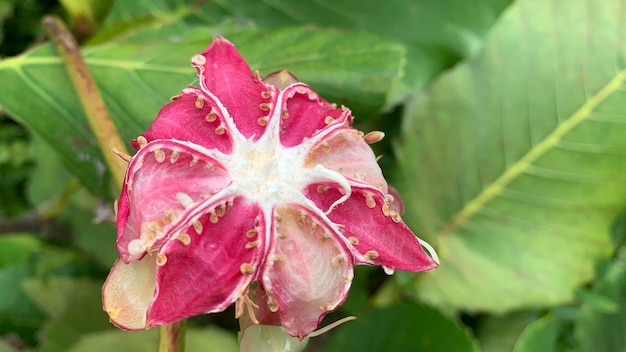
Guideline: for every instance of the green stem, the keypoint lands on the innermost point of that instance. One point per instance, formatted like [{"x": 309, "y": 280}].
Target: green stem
[
  {"x": 172, "y": 337},
  {"x": 90, "y": 99}
]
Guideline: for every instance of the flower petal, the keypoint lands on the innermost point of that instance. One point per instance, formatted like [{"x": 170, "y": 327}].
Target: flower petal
[
  {"x": 164, "y": 180},
  {"x": 128, "y": 291},
  {"x": 224, "y": 73},
  {"x": 376, "y": 231},
  {"x": 209, "y": 264},
  {"x": 303, "y": 113},
  {"x": 308, "y": 272},
  {"x": 192, "y": 116},
  {"x": 346, "y": 152}
]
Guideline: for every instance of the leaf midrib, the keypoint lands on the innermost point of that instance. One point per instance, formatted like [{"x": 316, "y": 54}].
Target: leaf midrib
[
  {"x": 20, "y": 61},
  {"x": 496, "y": 187}
]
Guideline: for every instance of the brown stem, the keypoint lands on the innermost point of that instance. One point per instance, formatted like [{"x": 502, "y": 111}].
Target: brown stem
[
  {"x": 90, "y": 99},
  {"x": 172, "y": 337}
]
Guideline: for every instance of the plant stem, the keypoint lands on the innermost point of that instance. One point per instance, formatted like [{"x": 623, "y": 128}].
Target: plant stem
[
  {"x": 90, "y": 99},
  {"x": 172, "y": 337}
]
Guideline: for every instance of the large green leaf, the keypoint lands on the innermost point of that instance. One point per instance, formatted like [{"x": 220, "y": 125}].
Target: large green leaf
[
  {"x": 515, "y": 165},
  {"x": 437, "y": 33},
  {"x": 137, "y": 78},
  {"x": 405, "y": 327},
  {"x": 599, "y": 330}
]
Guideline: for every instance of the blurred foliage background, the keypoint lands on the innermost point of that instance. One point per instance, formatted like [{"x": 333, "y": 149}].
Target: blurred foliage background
[{"x": 506, "y": 125}]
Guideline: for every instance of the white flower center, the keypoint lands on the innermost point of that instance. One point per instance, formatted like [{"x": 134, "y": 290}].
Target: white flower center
[{"x": 268, "y": 173}]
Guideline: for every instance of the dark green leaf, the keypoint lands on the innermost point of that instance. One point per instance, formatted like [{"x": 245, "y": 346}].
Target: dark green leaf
[
  {"x": 514, "y": 165},
  {"x": 596, "y": 329},
  {"x": 540, "y": 335},
  {"x": 17, "y": 312},
  {"x": 400, "y": 328},
  {"x": 437, "y": 33},
  {"x": 499, "y": 333}
]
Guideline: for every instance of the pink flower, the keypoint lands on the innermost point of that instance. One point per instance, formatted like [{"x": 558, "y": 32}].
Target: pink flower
[{"x": 241, "y": 181}]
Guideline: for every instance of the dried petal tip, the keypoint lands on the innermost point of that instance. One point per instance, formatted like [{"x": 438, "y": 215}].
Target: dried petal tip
[{"x": 281, "y": 79}]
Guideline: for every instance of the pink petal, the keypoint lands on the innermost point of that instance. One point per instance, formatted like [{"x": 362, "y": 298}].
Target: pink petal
[
  {"x": 224, "y": 73},
  {"x": 375, "y": 229},
  {"x": 128, "y": 291},
  {"x": 207, "y": 272},
  {"x": 308, "y": 272},
  {"x": 192, "y": 116},
  {"x": 346, "y": 152},
  {"x": 303, "y": 113},
  {"x": 159, "y": 175}
]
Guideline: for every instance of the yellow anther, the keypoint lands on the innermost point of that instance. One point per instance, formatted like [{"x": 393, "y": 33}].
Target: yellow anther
[
  {"x": 322, "y": 188},
  {"x": 369, "y": 201},
  {"x": 199, "y": 102},
  {"x": 142, "y": 141},
  {"x": 373, "y": 137},
  {"x": 184, "y": 238},
  {"x": 174, "y": 156},
  {"x": 159, "y": 155},
  {"x": 161, "y": 259},
  {"x": 197, "y": 226},
  {"x": 247, "y": 268},
  {"x": 198, "y": 60},
  {"x": 210, "y": 117},
  {"x": 371, "y": 255},
  {"x": 252, "y": 244}
]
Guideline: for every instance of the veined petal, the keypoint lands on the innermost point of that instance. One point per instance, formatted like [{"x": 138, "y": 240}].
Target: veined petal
[
  {"x": 207, "y": 265},
  {"x": 128, "y": 291},
  {"x": 164, "y": 180},
  {"x": 345, "y": 151},
  {"x": 304, "y": 112},
  {"x": 192, "y": 116},
  {"x": 375, "y": 230},
  {"x": 308, "y": 271},
  {"x": 224, "y": 73}
]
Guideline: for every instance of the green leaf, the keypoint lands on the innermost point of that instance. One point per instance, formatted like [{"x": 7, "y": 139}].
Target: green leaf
[
  {"x": 197, "y": 340},
  {"x": 136, "y": 79},
  {"x": 400, "y": 328},
  {"x": 17, "y": 249},
  {"x": 18, "y": 314},
  {"x": 437, "y": 33},
  {"x": 499, "y": 333},
  {"x": 74, "y": 307},
  {"x": 514, "y": 167},
  {"x": 597, "y": 329},
  {"x": 540, "y": 335}
]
